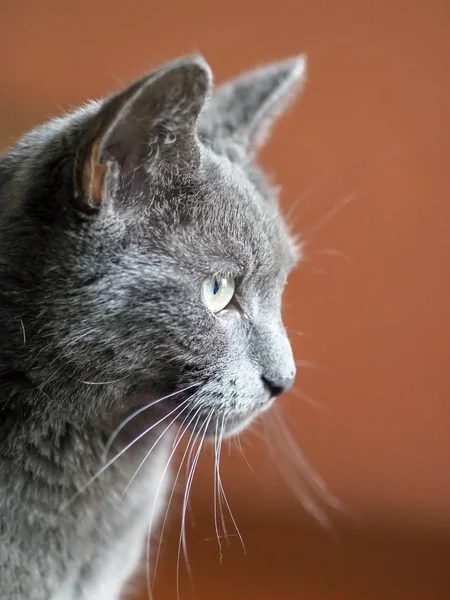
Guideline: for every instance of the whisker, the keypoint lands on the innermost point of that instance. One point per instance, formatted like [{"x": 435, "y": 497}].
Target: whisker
[
  {"x": 333, "y": 252},
  {"x": 102, "y": 382},
  {"x": 298, "y": 202},
  {"x": 158, "y": 489},
  {"x": 286, "y": 216},
  {"x": 217, "y": 473},
  {"x": 298, "y": 457},
  {"x": 215, "y": 490},
  {"x": 301, "y": 466},
  {"x": 308, "y": 400},
  {"x": 231, "y": 535},
  {"x": 147, "y": 553},
  {"x": 224, "y": 495},
  {"x": 177, "y": 416},
  {"x": 118, "y": 455},
  {"x": 331, "y": 213},
  {"x": 188, "y": 464},
  {"x": 125, "y": 422},
  {"x": 306, "y": 364},
  {"x": 23, "y": 333},
  {"x": 182, "y": 540},
  {"x": 186, "y": 496},
  {"x": 241, "y": 450},
  {"x": 299, "y": 333},
  {"x": 189, "y": 446},
  {"x": 47, "y": 381}
]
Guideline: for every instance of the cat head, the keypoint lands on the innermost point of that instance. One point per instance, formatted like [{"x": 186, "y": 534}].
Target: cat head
[{"x": 142, "y": 252}]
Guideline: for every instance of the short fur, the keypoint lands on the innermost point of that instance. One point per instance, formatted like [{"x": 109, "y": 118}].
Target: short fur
[{"x": 111, "y": 219}]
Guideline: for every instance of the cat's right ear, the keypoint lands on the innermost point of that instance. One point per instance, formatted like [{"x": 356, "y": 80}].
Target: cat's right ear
[{"x": 150, "y": 125}]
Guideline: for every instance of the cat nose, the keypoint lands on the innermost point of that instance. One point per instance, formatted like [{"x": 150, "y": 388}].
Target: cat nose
[{"x": 278, "y": 385}]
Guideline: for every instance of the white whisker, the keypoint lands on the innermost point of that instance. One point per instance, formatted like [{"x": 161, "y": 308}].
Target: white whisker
[
  {"x": 298, "y": 202},
  {"x": 306, "y": 364},
  {"x": 188, "y": 465},
  {"x": 215, "y": 490},
  {"x": 309, "y": 481},
  {"x": 177, "y": 416},
  {"x": 118, "y": 455},
  {"x": 308, "y": 400},
  {"x": 23, "y": 333},
  {"x": 331, "y": 213},
  {"x": 189, "y": 446},
  {"x": 231, "y": 535},
  {"x": 222, "y": 491},
  {"x": 182, "y": 540},
  {"x": 125, "y": 422},
  {"x": 187, "y": 493},
  {"x": 299, "y": 458},
  {"x": 102, "y": 382},
  {"x": 217, "y": 471},
  {"x": 238, "y": 441},
  {"x": 286, "y": 217},
  {"x": 333, "y": 252},
  {"x": 158, "y": 489}
]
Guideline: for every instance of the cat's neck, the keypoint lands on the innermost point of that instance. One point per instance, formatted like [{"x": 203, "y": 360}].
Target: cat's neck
[
  {"x": 66, "y": 414},
  {"x": 62, "y": 456}
]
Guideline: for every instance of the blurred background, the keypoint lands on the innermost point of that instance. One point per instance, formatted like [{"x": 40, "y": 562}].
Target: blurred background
[{"x": 363, "y": 161}]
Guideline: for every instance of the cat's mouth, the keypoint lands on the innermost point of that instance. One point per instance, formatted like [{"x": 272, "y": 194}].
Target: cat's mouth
[{"x": 220, "y": 423}]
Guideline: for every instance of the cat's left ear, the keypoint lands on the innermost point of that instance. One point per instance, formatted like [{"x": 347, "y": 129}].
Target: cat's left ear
[
  {"x": 243, "y": 110},
  {"x": 150, "y": 127}
]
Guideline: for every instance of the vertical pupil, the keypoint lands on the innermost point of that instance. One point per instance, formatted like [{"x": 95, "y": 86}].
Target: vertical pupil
[{"x": 216, "y": 286}]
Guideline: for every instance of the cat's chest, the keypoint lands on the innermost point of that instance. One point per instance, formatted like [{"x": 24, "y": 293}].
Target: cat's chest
[{"x": 113, "y": 523}]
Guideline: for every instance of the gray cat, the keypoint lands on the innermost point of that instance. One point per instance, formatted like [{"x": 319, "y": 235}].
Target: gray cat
[{"x": 142, "y": 263}]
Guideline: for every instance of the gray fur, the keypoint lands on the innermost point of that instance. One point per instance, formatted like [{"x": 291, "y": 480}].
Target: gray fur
[{"x": 101, "y": 312}]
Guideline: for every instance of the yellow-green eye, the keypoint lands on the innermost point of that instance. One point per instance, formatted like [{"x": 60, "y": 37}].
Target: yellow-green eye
[{"x": 217, "y": 293}]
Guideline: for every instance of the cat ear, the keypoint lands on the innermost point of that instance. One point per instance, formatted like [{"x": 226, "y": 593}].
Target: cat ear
[
  {"x": 243, "y": 110},
  {"x": 149, "y": 125}
]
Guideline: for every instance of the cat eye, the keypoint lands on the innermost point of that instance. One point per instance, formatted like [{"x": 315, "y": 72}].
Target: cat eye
[{"x": 217, "y": 293}]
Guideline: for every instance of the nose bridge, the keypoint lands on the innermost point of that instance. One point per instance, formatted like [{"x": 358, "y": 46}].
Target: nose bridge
[{"x": 275, "y": 354}]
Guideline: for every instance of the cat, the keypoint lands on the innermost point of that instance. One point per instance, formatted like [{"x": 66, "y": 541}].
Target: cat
[{"x": 143, "y": 258}]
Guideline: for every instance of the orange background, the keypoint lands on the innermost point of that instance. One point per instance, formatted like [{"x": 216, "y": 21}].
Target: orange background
[{"x": 363, "y": 159}]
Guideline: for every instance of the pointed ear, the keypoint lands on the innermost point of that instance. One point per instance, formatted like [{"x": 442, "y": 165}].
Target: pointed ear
[
  {"x": 150, "y": 125},
  {"x": 243, "y": 110}
]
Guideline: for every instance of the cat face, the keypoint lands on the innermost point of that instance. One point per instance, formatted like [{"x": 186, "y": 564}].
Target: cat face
[{"x": 145, "y": 255}]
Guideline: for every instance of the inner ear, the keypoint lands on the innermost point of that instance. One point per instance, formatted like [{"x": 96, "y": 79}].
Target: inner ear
[
  {"x": 93, "y": 176},
  {"x": 151, "y": 125}
]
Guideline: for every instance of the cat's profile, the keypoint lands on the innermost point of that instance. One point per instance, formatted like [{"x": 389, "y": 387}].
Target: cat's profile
[{"x": 142, "y": 264}]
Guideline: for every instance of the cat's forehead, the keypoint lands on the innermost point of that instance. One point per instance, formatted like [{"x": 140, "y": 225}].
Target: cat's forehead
[
  {"x": 234, "y": 200},
  {"x": 228, "y": 217}
]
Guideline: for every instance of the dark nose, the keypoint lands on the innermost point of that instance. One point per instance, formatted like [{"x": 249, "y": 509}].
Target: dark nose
[{"x": 279, "y": 385}]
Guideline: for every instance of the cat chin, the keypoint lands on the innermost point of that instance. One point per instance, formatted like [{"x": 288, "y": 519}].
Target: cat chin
[
  {"x": 236, "y": 424},
  {"x": 238, "y": 427}
]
